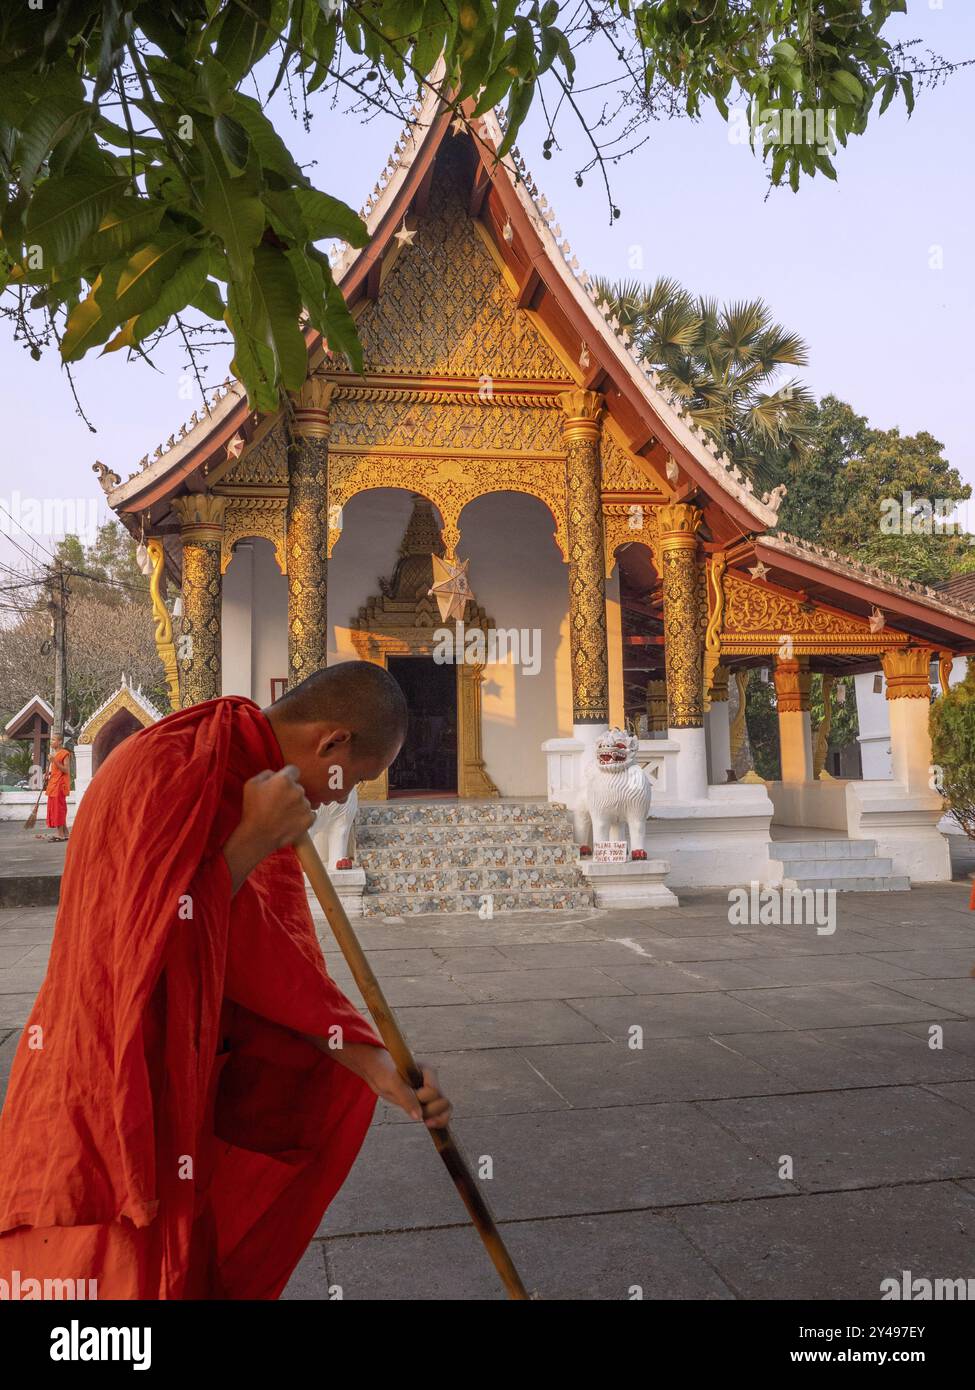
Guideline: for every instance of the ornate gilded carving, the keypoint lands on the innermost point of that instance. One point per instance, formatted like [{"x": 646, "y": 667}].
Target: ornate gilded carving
[
  {"x": 657, "y": 706},
  {"x": 825, "y": 726},
  {"x": 945, "y": 662},
  {"x": 587, "y": 584},
  {"x": 737, "y": 728},
  {"x": 256, "y": 516},
  {"x": 584, "y": 411},
  {"x": 263, "y": 463},
  {"x": 307, "y": 542},
  {"x": 450, "y": 483},
  {"x": 163, "y": 630},
  {"x": 792, "y": 683},
  {"x": 447, "y": 421},
  {"x": 907, "y": 673},
  {"x": 625, "y": 523},
  {"x": 310, "y": 406},
  {"x": 124, "y": 698},
  {"x": 402, "y": 620},
  {"x": 620, "y": 472},
  {"x": 714, "y": 610},
  {"x": 757, "y": 619},
  {"x": 198, "y": 647},
  {"x": 443, "y": 308},
  {"x": 679, "y": 524},
  {"x": 201, "y": 516},
  {"x": 717, "y": 691}
]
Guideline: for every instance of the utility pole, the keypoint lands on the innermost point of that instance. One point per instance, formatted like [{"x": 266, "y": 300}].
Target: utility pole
[{"x": 58, "y": 607}]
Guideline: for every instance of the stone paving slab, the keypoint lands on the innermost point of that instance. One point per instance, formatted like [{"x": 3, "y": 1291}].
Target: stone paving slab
[
  {"x": 839, "y": 1058},
  {"x": 859, "y": 1138},
  {"x": 960, "y": 1092},
  {"x": 836, "y": 1245},
  {"x": 675, "y": 1015},
  {"x": 838, "y": 1005},
  {"x": 941, "y": 963},
  {"x": 615, "y": 1256},
  {"x": 495, "y": 1025},
  {"x": 956, "y": 995},
  {"x": 635, "y": 1157},
  {"x": 956, "y": 1037},
  {"x": 590, "y": 1075}
]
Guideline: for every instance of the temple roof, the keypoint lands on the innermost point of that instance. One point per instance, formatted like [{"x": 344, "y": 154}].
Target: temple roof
[
  {"x": 127, "y": 697},
  {"x": 35, "y": 705}
]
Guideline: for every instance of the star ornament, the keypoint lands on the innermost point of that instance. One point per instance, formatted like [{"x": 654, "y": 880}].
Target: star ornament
[
  {"x": 758, "y": 570},
  {"x": 451, "y": 588},
  {"x": 405, "y": 235}
]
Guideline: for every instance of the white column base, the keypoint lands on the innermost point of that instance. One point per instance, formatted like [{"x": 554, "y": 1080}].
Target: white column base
[
  {"x": 350, "y": 884},
  {"x": 637, "y": 883},
  {"x": 692, "y": 763}
]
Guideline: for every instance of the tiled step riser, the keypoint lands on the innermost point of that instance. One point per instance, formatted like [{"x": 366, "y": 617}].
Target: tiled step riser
[
  {"x": 445, "y": 880},
  {"x": 465, "y": 813},
  {"x": 410, "y": 904},
  {"x": 413, "y": 857},
  {"x": 824, "y": 849},
  {"x": 371, "y": 837},
  {"x": 888, "y": 883},
  {"x": 812, "y": 869}
]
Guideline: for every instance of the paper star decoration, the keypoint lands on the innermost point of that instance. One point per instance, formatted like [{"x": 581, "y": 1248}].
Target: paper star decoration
[
  {"x": 450, "y": 588},
  {"x": 758, "y": 570},
  {"x": 405, "y": 236},
  {"x": 457, "y": 124},
  {"x": 877, "y": 620}
]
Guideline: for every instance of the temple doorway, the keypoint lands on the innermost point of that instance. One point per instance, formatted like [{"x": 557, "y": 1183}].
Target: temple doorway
[{"x": 427, "y": 763}]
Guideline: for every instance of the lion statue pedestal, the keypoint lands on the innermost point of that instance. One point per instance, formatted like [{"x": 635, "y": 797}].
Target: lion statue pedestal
[
  {"x": 615, "y": 802},
  {"x": 615, "y": 794},
  {"x": 333, "y": 835}
]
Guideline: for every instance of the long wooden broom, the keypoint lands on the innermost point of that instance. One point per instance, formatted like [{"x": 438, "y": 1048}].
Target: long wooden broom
[
  {"x": 398, "y": 1049},
  {"x": 31, "y": 820}
]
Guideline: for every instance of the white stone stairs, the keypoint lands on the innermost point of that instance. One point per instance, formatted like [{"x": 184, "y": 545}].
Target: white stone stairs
[
  {"x": 467, "y": 856},
  {"x": 849, "y": 866}
]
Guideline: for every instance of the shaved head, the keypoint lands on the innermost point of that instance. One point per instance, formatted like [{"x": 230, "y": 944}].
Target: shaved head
[{"x": 355, "y": 695}]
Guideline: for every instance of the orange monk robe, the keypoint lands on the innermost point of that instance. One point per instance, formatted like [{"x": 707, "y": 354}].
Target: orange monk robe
[
  {"x": 166, "y": 1131},
  {"x": 57, "y": 788}
]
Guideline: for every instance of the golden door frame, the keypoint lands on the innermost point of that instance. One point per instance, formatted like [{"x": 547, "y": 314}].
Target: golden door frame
[{"x": 473, "y": 781}]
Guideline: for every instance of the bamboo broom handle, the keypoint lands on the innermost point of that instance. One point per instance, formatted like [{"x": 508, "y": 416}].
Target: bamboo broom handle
[{"x": 399, "y": 1050}]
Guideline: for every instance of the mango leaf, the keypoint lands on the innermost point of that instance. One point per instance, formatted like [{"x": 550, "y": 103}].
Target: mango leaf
[
  {"x": 271, "y": 149},
  {"x": 207, "y": 299},
  {"x": 326, "y": 216},
  {"x": 276, "y": 305},
  {"x": 241, "y": 36},
  {"x": 65, "y": 211},
  {"x": 176, "y": 294},
  {"x": 232, "y": 209},
  {"x": 233, "y": 141},
  {"x": 46, "y": 124},
  {"x": 128, "y": 222},
  {"x": 130, "y": 286},
  {"x": 89, "y": 324},
  {"x": 253, "y": 362}
]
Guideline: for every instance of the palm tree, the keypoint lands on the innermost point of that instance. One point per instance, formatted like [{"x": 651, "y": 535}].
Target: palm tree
[{"x": 724, "y": 364}]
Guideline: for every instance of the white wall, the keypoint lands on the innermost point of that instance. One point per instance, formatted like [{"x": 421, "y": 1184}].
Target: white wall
[{"x": 873, "y": 714}]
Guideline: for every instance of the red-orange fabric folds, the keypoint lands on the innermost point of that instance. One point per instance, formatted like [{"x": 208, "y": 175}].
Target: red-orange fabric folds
[{"x": 166, "y": 1131}]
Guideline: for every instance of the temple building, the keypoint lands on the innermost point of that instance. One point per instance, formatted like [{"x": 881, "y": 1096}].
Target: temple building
[{"x": 622, "y": 571}]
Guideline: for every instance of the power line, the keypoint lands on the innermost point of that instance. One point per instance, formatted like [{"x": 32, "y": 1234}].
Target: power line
[{"x": 25, "y": 531}]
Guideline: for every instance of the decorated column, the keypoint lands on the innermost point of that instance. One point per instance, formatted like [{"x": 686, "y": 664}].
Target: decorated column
[
  {"x": 679, "y": 523},
  {"x": 307, "y": 530},
  {"x": 656, "y": 706},
  {"x": 201, "y": 517},
  {"x": 587, "y": 592},
  {"x": 792, "y": 682},
  {"x": 908, "y": 690}
]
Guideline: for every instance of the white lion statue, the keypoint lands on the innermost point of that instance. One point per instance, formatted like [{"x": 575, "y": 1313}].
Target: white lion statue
[
  {"x": 615, "y": 793},
  {"x": 333, "y": 833}
]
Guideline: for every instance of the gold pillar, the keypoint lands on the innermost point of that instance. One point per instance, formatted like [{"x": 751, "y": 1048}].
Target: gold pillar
[
  {"x": 657, "y": 706},
  {"x": 908, "y": 690},
  {"x": 792, "y": 683},
  {"x": 679, "y": 523},
  {"x": 793, "y": 680},
  {"x": 201, "y": 517},
  {"x": 587, "y": 584},
  {"x": 307, "y": 530},
  {"x": 163, "y": 625}
]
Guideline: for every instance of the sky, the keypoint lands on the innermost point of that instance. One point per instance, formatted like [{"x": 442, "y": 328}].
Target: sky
[{"x": 875, "y": 271}]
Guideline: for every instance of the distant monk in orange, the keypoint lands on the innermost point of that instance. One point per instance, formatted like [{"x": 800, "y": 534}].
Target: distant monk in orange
[
  {"x": 58, "y": 786},
  {"x": 192, "y": 1088}
]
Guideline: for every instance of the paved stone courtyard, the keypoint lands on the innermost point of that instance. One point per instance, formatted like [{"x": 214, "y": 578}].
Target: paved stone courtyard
[{"x": 659, "y": 1167}]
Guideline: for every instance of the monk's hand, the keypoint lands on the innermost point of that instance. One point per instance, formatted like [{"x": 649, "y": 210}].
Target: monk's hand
[
  {"x": 426, "y": 1103},
  {"x": 275, "y": 812}
]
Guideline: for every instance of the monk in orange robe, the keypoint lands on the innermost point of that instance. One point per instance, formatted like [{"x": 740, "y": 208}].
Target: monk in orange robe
[
  {"x": 57, "y": 788},
  {"x": 191, "y": 1088}
]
